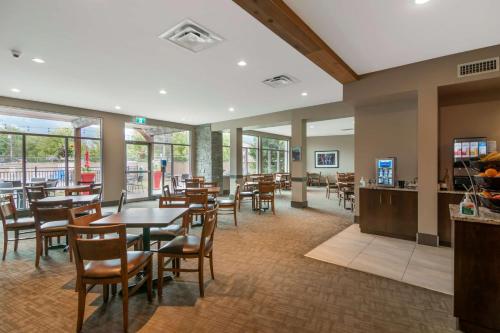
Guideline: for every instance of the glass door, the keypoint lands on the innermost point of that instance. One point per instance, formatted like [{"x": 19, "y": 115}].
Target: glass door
[
  {"x": 137, "y": 172},
  {"x": 161, "y": 152}
]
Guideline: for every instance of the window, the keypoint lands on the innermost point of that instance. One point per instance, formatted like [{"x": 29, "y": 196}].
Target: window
[
  {"x": 226, "y": 153},
  {"x": 250, "y": 154},
  {"x": 58, "y": 149},
  {"x": 274, "y": 155}
]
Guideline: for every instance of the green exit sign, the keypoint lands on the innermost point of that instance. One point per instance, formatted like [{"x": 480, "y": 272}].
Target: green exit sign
[{"x": 140, "y": 120}]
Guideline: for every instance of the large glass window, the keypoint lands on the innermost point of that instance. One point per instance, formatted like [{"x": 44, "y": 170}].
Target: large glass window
[
  {"x": 274, "y": 155},
  {"x": 41, "y": 147},
  {"x": 226, "y": 153},
  {"x": 250, "y": 153}
]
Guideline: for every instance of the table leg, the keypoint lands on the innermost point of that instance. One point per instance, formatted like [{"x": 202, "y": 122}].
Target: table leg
[{"x": 146, "y": 239}]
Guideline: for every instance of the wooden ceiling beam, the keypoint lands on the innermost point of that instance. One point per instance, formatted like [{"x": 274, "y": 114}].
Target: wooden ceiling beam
[{"x": 285, "y": 23}]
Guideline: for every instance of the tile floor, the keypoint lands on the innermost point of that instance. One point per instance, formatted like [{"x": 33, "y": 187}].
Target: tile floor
[{"x": 401, "y": 260}]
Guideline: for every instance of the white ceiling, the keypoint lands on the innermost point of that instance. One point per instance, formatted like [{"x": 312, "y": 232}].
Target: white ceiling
[
  {"x": 317, "y": 128},
  {"x": 372, "y": 35},
  {"x": 104, "y": 53}
]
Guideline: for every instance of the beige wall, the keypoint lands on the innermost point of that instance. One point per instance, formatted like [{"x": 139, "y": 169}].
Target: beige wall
[
  {"x": 113, "y": 143},
  {"x": 462, "y": 121},
  {"x": 343, "y": 143}
]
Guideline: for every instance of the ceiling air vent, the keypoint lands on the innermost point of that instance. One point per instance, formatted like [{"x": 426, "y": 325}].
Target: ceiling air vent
[
  {"x": 280, "y": 81},
  {"x": 192, "y": 36},
  {"x": 478, "y": 67}
]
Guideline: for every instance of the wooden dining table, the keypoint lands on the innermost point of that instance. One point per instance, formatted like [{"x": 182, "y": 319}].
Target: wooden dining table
[
  {"x": 145, "y": 218},
  {"x": 211, "y": 190},
  {"x": 77, "y": 200}
]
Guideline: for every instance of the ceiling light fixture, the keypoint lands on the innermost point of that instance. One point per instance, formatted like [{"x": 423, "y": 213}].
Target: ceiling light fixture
[
  {"x": 421, "y": 2},
  {"x": 304, "y": 93},
  {"x": 15, "y": 90},
  {"x": 231, "y": 109},
  {"x": 38, "y": 60},
  {"x": 117, "y": 107},
  {"x": 242, "y": 63},
  {"x": 163, "y": 92}
]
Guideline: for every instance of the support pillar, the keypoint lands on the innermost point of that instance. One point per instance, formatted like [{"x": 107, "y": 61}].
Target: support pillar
[
  {"x": 236, "y": 159},
  {"x": 78, "y": 155},
  {"x": 427, "y": 140},
  {"x": 299, "y": 168}
]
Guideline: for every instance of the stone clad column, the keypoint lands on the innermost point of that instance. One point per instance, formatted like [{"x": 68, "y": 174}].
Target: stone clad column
[
  {"x": 236, "y": 159},
  {"x": 299, "y": 168},
  {"x": 427, "y": 141}
]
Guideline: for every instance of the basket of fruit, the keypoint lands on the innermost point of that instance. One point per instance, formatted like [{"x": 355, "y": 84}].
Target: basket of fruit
[
  {"x": 489, "y": 179},
  {"x": 490, "y": 161},
  {"x": 490, "y": 200}
]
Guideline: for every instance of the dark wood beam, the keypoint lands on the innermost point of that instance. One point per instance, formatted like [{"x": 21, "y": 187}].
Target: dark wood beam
[{"x": 283, "y": 21}]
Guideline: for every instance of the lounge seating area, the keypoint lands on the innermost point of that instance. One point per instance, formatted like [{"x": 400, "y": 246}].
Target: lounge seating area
[{"x": 249, "y": 166}]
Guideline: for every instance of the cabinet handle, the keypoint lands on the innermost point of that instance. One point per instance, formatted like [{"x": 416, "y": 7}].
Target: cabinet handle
[
  {"x": 390, "y": 199},
  {"x": 380, "y": 198}
]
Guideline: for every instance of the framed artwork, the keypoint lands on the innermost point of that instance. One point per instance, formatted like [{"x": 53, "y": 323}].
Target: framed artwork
[
  {"x": 326, "y": 159},
  {"x": 296, "y": 152}
]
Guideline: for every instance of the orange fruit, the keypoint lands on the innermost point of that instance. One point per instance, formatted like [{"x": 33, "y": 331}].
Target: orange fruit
[
  {"x": 490, "y": 172},
  {"x": 482, "y": 174}
]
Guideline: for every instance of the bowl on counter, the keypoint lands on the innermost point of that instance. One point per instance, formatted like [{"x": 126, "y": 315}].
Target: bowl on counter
[
  {"x": 489, "y": 183},
  {"x": 490, "y": 202}
]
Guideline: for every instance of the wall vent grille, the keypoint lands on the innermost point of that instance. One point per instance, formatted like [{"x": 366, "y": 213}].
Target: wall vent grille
[
  {"x": 280, "y": 81},
  {"x": 478, "y": 67},
  {"x": 192, "y": 36}
]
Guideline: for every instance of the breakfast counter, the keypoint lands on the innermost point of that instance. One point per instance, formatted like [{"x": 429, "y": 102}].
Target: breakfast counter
[{"x": 476, "y": 270}]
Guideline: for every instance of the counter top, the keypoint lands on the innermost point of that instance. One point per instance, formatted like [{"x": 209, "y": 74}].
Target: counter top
[
  {"x": 451, "y": 192},
  {"x": 390, "y": 188},
  {"x": 485, "y": 216}
]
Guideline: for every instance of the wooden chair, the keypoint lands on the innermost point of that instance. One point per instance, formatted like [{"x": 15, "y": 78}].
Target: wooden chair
[
  {"x": 314, "y": 179},
  {"x": 175, "y": 186},
  {"x": 51, "y": 220},
  {"x": 122, "y": 201},
  {"x": 266, "y": 195},
  {"x": 34, "y": 193},
  {"x": 192, "y": 183},
  {"x": 246, "y": 193},
  {"x": 84, "y": 215},
  {"x": 169, "y": 232},
  {"x": 77, "y": 191},
  {"x": 10, "y": 222},
  {"x": 105, "y": 260},
  {"x": 228, "y": 206},
  {"x": 186, "y": 247},
  {"x": 330, "y": 187},
  {"x": 96, "y": 189},
  {"x": 198, "y": 203}
]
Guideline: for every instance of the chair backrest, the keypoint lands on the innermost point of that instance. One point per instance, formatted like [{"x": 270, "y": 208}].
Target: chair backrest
[
  {"x": 96, "y": 189},
  {"x": 209, "y": 184},
  {"x": 87, "y": 247},
  {"x": 198, "y": 196},
  {"x": 173, "y": 202},
  {"x": 81, "y": 182},
  {"x": 208, "y": 230},
  {"x": 38, "y": 179},
  {"x": 266, "y": 188},
  {"x": 52, "y": 182},
  {"x": 34, "y": 193},
  {"x": 192, "y": 184},
  {"x": 123, "y": 200},
  {"x": 268, "y": 178},
  {"x": 84, "y": 215},
  {"x": 173, "y": 180},
  {"x": 7, "y": 208},
  {"x": 237, "y": 193},
  {"x": 200, "y": 179},
  {"x": 166, "y": 191},
  {"x": 50, "y": 211},
  {"x": 327, "y": 180},
  {"x": 77, "y": 191}
]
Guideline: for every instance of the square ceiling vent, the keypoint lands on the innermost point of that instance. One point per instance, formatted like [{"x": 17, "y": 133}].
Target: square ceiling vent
[
  {"x": 280, "y": 81},
  {"x": 192, "y": 36}
]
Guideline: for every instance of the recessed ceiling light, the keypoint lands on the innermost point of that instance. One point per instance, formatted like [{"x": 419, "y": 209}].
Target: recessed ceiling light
[
  {"x": 304, "y": 93},
  {"x": 38, "y": 60},
  {"x": 242, "y": 63},
  {"x": 15, "y": 90},
  {"x": 231, "y": 109},
  {"x": 117, "y": 107},
  {"x": 163, "y": 92},
  {"x": 421, "y": 2}
]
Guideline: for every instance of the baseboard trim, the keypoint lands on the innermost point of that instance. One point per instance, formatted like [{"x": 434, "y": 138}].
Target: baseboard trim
[
  {"x": 299, "y": 204},
  {"x": 427, "y": 239},
  {"x": 356, "y": 219}
]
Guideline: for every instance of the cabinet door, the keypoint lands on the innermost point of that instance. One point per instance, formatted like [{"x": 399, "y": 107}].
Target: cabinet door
[
  {"x": 404, "y": 213},
  {"x": 372, "y": 216}
]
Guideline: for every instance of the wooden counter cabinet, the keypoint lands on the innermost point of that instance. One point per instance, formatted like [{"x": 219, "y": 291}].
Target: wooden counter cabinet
[{"x": 389, "y": 212}]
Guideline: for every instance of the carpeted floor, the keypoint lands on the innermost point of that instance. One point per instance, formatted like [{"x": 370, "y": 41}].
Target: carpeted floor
[{"x": 263, "y": 283}]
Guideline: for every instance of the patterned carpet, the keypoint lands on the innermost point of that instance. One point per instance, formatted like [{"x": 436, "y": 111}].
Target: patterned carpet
[{"x": 263, "y": 283}]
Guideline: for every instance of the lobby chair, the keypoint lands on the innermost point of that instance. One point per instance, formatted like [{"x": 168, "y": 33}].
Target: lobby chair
[
  {"x": 189, "y": 247},
  {"x": 266, "y": 195},
  {"x": 11, "y": 223},
  {"x": 198, "y": 204},
  {"x": 34, "y": 193},
  {"x": 51, "y": 220},
  {"x": 247, "y": 193},
  {"x": 169, "y": 232},
  {"x": 228, "y": 206},
  {"x": 105, "y": 260}
]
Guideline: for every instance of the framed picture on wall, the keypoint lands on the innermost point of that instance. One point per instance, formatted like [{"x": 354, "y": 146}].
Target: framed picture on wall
[
  {"x": 296, "y": 153},
  {"x": 326, "y": 159}
]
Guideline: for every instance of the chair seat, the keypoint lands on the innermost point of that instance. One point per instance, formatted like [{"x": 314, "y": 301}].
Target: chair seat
[
  {"x": 166, "y": 233},
  {"x": 103, "y": 269},
  {"x": 54, "y": 226},
  {"x": 226, "y": 202},
  {"x": 21, "y": 223},
  {"x": 196, "y": 206},
  {"x": 188, "y": 244},
  {"x": 106, "y": 214},
  {"x": 246, "y": 194}
]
